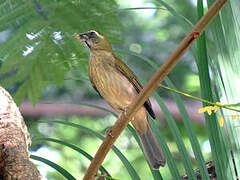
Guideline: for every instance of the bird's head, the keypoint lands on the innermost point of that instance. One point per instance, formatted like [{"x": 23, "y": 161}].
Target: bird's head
[{"x": 95, "y": 40}]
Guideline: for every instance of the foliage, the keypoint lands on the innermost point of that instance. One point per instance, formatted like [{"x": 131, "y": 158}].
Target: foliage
[{"x": 41, "y": 48}]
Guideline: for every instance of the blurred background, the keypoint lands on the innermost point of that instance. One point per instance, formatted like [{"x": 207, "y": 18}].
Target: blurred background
[{"x": 45, "y": 69}]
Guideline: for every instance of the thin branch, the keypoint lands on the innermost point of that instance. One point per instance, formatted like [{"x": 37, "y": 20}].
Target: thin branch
[{"x": 152, "y": 85}]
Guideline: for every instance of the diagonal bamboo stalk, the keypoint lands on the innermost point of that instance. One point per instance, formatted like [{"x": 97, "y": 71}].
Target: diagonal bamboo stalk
[{"x": 151, "y": 86}]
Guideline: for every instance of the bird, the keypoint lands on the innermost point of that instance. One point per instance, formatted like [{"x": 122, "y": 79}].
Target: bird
[{"x": 118, "y": 86}]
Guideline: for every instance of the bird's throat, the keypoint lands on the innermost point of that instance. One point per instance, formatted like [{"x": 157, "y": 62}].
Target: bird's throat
[{"x": 87, "y": 44}]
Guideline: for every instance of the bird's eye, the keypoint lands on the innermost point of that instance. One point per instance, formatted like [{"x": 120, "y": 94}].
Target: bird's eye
[{"x": 92, "y": 34}]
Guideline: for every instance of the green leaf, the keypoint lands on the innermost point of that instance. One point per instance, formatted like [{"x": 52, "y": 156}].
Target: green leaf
[
  {"x": 190, "y": 132},
  {"x": 22, "y": 91},
  {"x": 125, "y": 162},
  {"x": 84, "y": 153},
  {"x": 178, "y": 138},
  {"x": 58, "y": 168},
  {"x": 187, "y": 24},
  {"x": 224, "y": 60}
]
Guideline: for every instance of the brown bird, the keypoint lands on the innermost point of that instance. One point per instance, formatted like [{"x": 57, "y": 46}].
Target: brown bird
[{"x": 118, "y": 85}]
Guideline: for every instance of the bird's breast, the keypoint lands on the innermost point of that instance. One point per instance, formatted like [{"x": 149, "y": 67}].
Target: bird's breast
[{"x": 113, "y": 86}]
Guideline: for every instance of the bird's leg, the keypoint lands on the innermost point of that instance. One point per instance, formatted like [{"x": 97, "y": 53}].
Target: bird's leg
[{"x": 124, "y": 110}]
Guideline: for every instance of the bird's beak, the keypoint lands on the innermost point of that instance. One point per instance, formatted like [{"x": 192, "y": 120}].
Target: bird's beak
[{"x": 82, "y": 37}]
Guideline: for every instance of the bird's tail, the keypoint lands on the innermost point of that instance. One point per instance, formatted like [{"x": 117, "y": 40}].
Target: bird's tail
[{"x": 152, "y": 149}]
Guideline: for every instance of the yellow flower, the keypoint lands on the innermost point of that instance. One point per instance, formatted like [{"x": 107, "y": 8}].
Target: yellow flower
[
  {"x": 215, "y": 108},
  {"x": 221, "y": 121},
  {"x": 209, "y": 109},
  {"x": 201, "y": 110},
  {"x": 233, "y": 117}
]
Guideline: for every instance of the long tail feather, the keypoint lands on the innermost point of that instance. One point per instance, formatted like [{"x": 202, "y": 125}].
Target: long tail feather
[{"x": 152, "y": 150}]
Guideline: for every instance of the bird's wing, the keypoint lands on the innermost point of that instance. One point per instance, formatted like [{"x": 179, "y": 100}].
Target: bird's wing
[{"x": 122, "y": 67}]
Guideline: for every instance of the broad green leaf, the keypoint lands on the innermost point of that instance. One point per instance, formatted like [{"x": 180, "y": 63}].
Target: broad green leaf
[
  {"x": 190, "y": 131},
  {"x": 177, "y": 137},
  {"x": 224, "y": 60}
]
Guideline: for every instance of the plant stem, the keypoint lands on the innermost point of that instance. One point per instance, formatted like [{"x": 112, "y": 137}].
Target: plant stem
[
  {"x": 226, "y": 106},
  {"x": 151, "y": 86}
]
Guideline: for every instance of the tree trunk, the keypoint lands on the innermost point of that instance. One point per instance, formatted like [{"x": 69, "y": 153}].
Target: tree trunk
[{"x": 14, "y": 143}]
